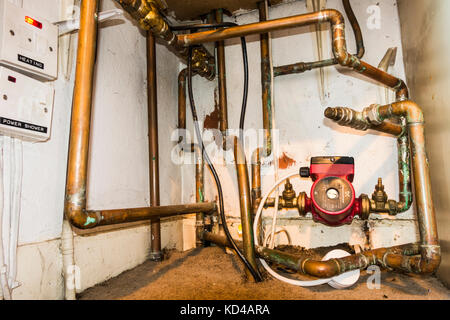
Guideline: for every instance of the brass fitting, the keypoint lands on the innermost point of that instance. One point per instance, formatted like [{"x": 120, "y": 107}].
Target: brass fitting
[
  {"x": 203, "y": 63},
  {"x": 354, "y": 119},
  {"x": 301, "y": 203},
  {"x": 288, "y": 195},
  {"x": 347, "y": 117},
  {"x": 365, "y": 207},
  {"x": 147, "y": 13},
  {"x": 380, "y": 196},
  {"x": 380, "y": 202}
]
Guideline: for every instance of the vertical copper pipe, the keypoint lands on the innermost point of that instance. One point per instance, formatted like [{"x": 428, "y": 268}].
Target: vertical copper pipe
[
  {"x": 421, "y": 170},
  {"x": 221, "y": 66},
  {"x": 182, "y": 106},
  {"x": 245, "y": 205},
  {"x": 155, "y": 253},
  {"x": 404, "y": 172},
  {"x": 75, "y": 200},
  {"x": 199, "y": 194},
  {"x": 256, "y": 179},
  {"x": 266, "y": 77},
  {"x": 430, "y": 251}
]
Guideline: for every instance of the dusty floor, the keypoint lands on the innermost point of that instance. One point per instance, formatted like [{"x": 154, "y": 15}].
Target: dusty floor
[{"x": 209, "y": 274}]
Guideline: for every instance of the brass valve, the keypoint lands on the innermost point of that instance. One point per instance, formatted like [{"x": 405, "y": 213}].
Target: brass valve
[
  {"x": 288, "y": 194},
  {"x": 380, "y": 196},
  {"x": 380, "y": 202}
]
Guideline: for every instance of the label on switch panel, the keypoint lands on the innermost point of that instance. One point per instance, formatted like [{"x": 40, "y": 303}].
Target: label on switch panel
[
  {"x": 30, "y": 61},
  {"x": 22, "y": 125}
]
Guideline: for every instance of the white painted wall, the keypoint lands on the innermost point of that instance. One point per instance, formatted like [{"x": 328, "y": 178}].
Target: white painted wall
[
  {"x": 303, "y": 131},
  {"x": 118, "y": 167},
  {"x": 118, "y": 174}
]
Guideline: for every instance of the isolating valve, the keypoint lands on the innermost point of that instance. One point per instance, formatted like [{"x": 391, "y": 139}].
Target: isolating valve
[{"x": 333, "y": 200}]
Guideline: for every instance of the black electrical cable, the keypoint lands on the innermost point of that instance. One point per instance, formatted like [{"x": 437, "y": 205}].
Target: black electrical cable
[
  {"x": 245, "y": 97},
  {"x": 244, "y": 57},
  {"x": 255, "y": 273}
]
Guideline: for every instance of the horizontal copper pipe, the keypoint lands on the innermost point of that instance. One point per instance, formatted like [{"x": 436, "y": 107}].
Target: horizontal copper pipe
[
  {"x": 334, "y": 267},
  {"x": 338, "y": 35},
  {"x": 393, "y": 257},
  {"x": 359, "y": 120},
  {"x": 301, "y": 67},
  {"x": 119, "y": 216}
]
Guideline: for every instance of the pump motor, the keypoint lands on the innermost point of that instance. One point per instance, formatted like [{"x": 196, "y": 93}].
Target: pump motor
[{"x": 333, "y": 200}]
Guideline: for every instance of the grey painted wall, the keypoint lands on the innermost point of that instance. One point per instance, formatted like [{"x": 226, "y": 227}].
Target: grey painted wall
[{"x": 426, "y": 47}]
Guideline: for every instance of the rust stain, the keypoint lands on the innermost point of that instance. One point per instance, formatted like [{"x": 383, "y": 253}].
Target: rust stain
[
  {"x": 212, "y": 120},
  {"x": 285, "y": 161}
]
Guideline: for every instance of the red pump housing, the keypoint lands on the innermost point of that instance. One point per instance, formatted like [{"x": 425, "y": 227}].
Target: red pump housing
[{"x": 333, "y": 201}]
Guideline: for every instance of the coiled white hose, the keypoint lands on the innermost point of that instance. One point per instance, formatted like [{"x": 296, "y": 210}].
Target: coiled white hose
[{"x": 263, "y": 262}]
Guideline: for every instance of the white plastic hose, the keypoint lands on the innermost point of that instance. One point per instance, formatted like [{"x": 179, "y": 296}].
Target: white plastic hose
[
  {"x": 339, "y": 282},
  {"x": 6, "y": 291},
  {"x": 263, "y": 262},
  {"x": 16, "y": 196}
]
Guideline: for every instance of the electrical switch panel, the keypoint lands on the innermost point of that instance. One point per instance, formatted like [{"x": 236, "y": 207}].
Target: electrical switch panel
[
  {"x": 26, "y": 106},
  {"x": 28, "y": 43}
]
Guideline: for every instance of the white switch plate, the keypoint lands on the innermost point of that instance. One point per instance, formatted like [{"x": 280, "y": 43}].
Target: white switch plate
[
  {"x": 27, "y": 47},
  {"x": 26, "y": 106}
]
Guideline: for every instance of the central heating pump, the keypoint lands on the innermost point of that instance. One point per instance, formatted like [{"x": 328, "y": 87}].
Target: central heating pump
[{"x": 333, "y": 201}]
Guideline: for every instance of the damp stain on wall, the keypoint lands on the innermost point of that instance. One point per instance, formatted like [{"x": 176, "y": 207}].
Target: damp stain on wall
[
  {"x": 285, "y": 161},
  {"x": 212, "y": 120}
]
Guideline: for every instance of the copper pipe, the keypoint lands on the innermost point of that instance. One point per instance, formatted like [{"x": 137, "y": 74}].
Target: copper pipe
[
  {"x": 119, "y": 216},
  {"x": 404, "y": 172},
  {"x": 393, "y": 257},
  {"x": 430, "y": 249},
  {"x": 155, "y": 254},
  {"x": 182, "y": 105},
  {"x": 199, "y": 187},
  {"x": 334, "y": 267},
  {"x": 75, "y": 199},
  {"x": 245, "y": 201},
  {"x": 359, "y": 120},
  {"x": 146, "y": 12},
  {"x": 221, "y": 67},
  {"x": 368, "y": 119},
  {"x": 301, "y": 67},
  {"x": 338, "y": 34},
  {"x": 256, "y": 179},
  {"x": 199, "y": 194},
  {"x": 266, "y": 82},
  {"x": 422, "y": 182}
]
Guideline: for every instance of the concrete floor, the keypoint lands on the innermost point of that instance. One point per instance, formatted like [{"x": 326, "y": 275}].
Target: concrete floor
[{"x": 210, "y": 274}]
